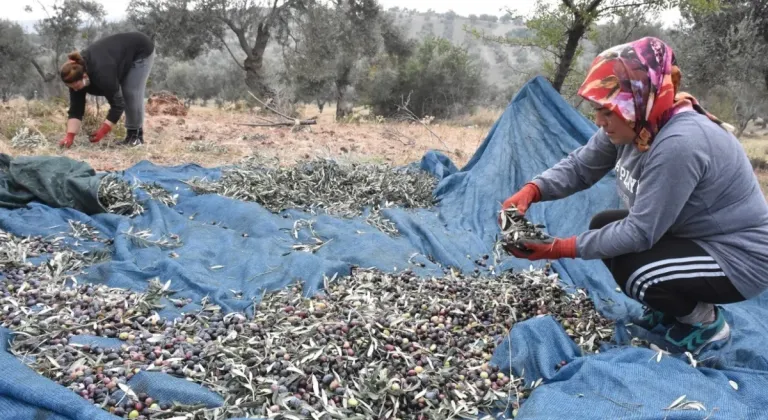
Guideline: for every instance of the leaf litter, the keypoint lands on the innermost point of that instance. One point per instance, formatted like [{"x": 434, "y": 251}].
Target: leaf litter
[
  {"x": 370, "y": 345},
  {"x": 337, "y": 188},
  {"x": 116, "y": 196}
]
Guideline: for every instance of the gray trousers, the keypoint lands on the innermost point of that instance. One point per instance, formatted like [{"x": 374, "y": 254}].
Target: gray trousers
[{"x": 133, "y": 87}]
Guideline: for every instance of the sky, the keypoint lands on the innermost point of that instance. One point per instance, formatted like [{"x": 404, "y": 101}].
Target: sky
[{"x": 116, "y": 8}]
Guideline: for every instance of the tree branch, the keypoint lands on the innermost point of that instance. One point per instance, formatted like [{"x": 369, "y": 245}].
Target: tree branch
[
  {"x": 272, "y": 14},
  {"x": 221, "y": 38},
  {"x": 46, "y": 77},
  {"x": 520, "y": 42},
  {"x": 280, "y": 124},
  {"x": 42, "y": 6},
  {"x": 635, "y": 25},
  {"x": 270, "y": 108},
  {"x": 625, "y": 6},
  {"x": 239, "y": 32},
  {"x": 570, "y": 5},
  {"x": 287, "y": 4},
  {"x": 409, "y": 115},
  {"x": 593, "y": 6}
]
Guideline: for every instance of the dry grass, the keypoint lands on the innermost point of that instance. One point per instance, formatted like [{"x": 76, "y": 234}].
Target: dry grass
[
  {"x": 210, "y": 137},
  {"x": 48, "y": 118},
  {"x": 757, "y": 149}
]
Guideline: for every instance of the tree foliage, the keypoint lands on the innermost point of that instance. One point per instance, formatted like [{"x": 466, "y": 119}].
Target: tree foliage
[
  {"x": 439, "y": 79},
  {"x": 558, "y": 29},
  {"x": 13, "y": 66},
  {"x": 325, "y": 51},
  {"x": 624, "y": 26},
  {"x": 189, "y": 28},
  {"x": 724, "y": 58},
  {"x": 69, "y": 25}
]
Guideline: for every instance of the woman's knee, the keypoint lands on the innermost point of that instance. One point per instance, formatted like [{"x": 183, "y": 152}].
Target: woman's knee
[
  {"x": 132, "y": 99},
  {"x": 622, "y": 268},
  {"x": 606, "y": 217}
]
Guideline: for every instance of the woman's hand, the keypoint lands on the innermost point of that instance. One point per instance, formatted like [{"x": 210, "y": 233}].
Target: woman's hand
[
  {"x": 546, "y": 250},
  {"x": 522, "y": 199},
  {"x": 105, "y": 128},
  {"x": 67, "y": 140},
  {"x": 73, "y": 127}
]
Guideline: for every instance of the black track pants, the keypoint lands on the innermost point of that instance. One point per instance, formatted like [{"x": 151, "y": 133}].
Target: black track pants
[{"x": 671, "y": 277}]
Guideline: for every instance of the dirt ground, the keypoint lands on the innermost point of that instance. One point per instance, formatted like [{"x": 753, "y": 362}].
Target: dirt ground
[{"x": 210, "y": 137}]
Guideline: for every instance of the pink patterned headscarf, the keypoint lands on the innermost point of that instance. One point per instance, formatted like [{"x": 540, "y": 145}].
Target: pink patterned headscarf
[{"x": 639, "y": 81}]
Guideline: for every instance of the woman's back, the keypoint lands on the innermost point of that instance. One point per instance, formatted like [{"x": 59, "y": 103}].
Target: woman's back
[
  {"x": 112, "y": 56},
  {"x": 726, "y": 213},
  {"x": 728, "y": 196}
]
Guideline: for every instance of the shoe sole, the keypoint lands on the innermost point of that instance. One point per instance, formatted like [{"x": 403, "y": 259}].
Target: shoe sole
[{"x": 721, "y": 335}]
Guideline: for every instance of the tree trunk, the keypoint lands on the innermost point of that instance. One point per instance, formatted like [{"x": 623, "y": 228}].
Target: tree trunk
[
  {"x": 575, "y": 33},
  {"x": 740, "y": 129},
  {"x": 320, "y": 104},
  {"x": 766, "y": 77},
  {"x": 254, "y": 65},
  {"x": 342, "y": 110},
  {"x": 342, "y": 82},
  {"x": 51, "y": 84}
]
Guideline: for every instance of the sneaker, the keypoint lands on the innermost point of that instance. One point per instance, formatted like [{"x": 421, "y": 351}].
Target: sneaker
[
  {"x": 652, "y": 318},
  {"x": 133, "y": 138},
  {"x": 693, "y": 338}
]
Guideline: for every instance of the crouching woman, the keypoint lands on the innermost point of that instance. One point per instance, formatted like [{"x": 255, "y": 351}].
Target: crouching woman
[
  {"x": 695, "y": 232},
  {"x": 116, "y": 67}
]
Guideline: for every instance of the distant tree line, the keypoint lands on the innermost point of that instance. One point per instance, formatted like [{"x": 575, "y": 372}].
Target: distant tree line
[
  {"x": 353, "y": 52},
  {"x": 721, "y": 45}
]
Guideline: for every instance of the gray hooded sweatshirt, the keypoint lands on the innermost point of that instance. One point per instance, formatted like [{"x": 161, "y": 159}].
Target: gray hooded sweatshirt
[{"x": 695, "y": 182}]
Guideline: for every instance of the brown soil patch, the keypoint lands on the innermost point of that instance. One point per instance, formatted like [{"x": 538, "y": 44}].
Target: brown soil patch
[
  {"x": 211, "y": 137},
  {"x": 165, "y": 103}
]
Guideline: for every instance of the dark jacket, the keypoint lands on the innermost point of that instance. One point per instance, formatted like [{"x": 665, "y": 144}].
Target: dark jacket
[{"x": 107, "y": 61}]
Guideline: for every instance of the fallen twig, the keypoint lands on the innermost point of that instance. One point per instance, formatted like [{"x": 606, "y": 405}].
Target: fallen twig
[
  {"x": 280, "y": 124},
  {"x": 292, "y": 122},
  {"x": 393, "y": 133},
  {"x": 409, "y": 115},
  {"x": 270, "y": 108}
]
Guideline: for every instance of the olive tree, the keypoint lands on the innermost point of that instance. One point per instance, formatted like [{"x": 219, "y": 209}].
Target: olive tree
[
  {"x": 189, "y": 28},
  {"x": 66, "y": 25},
  {"x": 724, "y": 59},
  {"x": 14, "y": 68},
  {"x": 324, "y": 53},
  {"x": 558, "y": 28}
]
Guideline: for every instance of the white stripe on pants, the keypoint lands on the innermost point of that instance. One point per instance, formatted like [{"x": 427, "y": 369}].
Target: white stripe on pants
[{"x": 672, "y": 268}]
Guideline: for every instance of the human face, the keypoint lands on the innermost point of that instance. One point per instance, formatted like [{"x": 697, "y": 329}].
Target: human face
[
  {"x": 617, "y": 130},
  {"x": 80, "y": 84}
]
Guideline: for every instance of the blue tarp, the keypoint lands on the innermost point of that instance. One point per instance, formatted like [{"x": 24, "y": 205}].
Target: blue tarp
[{"x": 536, "y": 130}]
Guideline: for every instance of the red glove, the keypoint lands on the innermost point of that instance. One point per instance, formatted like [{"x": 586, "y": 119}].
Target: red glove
[
  {"x": 558, "y": 248},
  {"x": 67, "y": 140},
  {"x": 98, "y": 135},
  {"x": 530, "y": 193}
]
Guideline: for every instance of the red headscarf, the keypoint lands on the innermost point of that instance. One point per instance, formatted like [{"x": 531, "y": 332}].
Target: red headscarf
[{"x": 639, "y": 81}]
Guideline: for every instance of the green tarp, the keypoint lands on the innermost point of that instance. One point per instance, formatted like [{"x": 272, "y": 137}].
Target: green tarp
[{"x": 56, "y": 181}]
